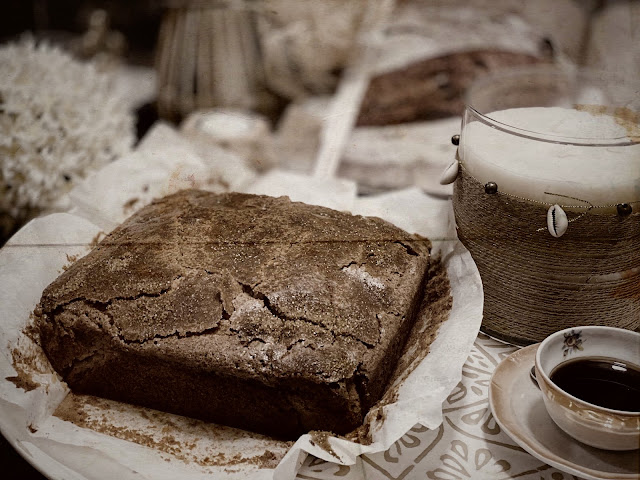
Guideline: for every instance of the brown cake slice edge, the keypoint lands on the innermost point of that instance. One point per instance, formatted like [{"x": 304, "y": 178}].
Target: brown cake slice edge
[{"x": 249, "y": 311}]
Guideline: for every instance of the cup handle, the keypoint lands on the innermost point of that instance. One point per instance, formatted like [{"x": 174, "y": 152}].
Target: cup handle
[{"x": 532, "y": 376}]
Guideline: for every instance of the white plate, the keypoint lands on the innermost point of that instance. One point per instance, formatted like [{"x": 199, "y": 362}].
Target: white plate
[
  {"x": 37, "y": 254},
  {"x": 519, "y": 409}
]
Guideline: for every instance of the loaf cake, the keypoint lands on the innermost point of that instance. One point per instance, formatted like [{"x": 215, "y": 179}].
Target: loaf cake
[
  {"x": 250, "y": 311},
  {"x": 432, "y": 88}
]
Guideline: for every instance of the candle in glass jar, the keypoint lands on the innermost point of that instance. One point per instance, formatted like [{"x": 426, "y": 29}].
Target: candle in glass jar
[{"x": 539, "y": 153}]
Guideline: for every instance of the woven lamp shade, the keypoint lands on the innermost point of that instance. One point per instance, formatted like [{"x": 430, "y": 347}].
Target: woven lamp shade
[{"x": 208, "y": 56}]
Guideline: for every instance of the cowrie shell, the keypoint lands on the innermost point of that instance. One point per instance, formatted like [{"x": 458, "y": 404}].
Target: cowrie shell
[
  {"x": 450, "y": 174},
  {"x": 557, "y": 221}
]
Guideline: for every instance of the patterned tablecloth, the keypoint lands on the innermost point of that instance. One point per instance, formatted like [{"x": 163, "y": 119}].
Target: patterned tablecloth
[{"x": 468, "y": 443}]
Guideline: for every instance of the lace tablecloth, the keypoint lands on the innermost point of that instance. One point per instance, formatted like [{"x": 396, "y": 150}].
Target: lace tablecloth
[{"x": 468, "y": 443}]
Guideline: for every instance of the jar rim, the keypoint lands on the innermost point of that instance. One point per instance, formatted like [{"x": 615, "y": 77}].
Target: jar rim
[{"x": 538, "y": 80}]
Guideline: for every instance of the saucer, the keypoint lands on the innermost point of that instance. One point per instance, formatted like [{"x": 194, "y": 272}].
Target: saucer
[{"x": 518, "y": 408}]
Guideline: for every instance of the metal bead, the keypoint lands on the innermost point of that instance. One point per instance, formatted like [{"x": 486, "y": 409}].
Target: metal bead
[
  {"x": 491, "y": 188},
  {"x": 455, "y": 140},
  {"x": 624, "y": 209}
]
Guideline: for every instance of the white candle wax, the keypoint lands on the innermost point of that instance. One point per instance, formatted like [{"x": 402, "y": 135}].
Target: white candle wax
[
  {"x": 525, "y": 167},
  {"x": 231, "y": 124}
]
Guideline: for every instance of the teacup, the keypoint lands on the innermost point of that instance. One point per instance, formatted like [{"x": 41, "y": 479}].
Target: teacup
[{"x": 609, "y": 352}]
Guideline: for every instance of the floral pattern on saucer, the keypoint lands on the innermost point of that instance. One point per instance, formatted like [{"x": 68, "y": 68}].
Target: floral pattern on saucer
[{"x": 572, "y": 341}]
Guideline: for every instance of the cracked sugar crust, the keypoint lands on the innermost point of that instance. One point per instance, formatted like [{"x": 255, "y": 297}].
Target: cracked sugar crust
[{"x": 245, "y": 284}]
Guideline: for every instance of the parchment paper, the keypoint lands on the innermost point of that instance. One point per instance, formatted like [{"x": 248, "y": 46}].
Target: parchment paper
[{"x": 37, "y": 254}]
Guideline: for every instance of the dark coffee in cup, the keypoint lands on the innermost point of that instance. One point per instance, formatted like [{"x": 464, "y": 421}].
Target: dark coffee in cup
[
  {"x": 603, "y": 381},
  {"x": 589, "y": 378}
]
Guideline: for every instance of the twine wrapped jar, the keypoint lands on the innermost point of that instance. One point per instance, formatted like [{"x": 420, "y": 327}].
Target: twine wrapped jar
[{"x": 547, "y": 200}]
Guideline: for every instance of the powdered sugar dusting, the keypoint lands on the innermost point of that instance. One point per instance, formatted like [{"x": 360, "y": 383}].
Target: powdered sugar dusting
[{"x": 359, "y": 273}]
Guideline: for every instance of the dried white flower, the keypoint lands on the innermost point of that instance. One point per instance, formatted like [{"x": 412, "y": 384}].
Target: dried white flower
[{"x": 59, "y": 120}]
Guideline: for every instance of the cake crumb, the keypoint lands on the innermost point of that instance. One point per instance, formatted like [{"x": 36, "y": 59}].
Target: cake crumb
[
  {"x": 185, "y": 439},
  {"x": 96, "y": 239},
  {"x": 130, "y": 205},
  {"x": 70, "y": 259},
  {"x": 23, "y": 381},
  {"x": 321, "y": 440},
  {"x": 29, "y": 361}
]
